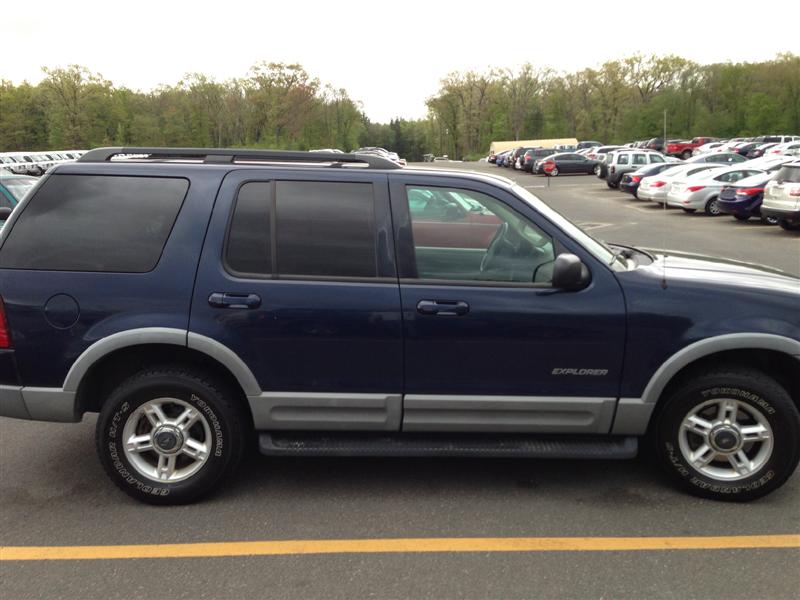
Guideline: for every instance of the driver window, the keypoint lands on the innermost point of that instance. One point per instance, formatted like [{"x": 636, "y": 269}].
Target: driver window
[{"x": 465, "y": 235}]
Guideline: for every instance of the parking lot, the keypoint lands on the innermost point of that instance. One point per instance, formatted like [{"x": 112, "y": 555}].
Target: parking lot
[{"x": 454, "y": 517}]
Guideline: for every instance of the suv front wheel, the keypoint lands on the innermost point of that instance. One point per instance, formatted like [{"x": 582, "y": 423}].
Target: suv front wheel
[
  {"x": 729, "y": 435},
  {"x": 169, "y": 435}
]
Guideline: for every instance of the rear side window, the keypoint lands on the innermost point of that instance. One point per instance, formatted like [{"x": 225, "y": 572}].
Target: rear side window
[
  {"x": 789, "y": 175},
  {"x": 309, "y": 229},
  {"x": 622, "y": 159},
  {"x": 325, "y": 229},
  {"x": 95, "y": 223}
]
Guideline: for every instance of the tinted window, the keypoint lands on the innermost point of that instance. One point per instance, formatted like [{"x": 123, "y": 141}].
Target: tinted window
[
  {"x": 639, "y": 159},
  {"x": 468, "y": 236},
  {"x": 325, "y": 229},
  {"x": 95, "y": 223},
  {"x": 656, "y": 158},
  {"x": 622, "y": 159},
  {"x": 249, "y": 247}
]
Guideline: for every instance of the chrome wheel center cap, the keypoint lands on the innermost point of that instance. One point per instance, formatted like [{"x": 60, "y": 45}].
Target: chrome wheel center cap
[
  {"x": 167, "y": 439},
  {"x": 725, "y": 438}
]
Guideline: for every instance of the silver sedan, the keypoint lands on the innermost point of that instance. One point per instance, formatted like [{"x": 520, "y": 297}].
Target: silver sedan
[
  {"x": 700, "y": 191},
  {"x": 655, "y": 187}
]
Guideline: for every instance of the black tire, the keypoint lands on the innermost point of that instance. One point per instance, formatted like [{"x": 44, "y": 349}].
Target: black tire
[
  {"x": 787, "y": 226},
  {"x": 554, "y": 172},
  {"x": 612, "y": 184},
  {"x": 769, "y": 220},
  {"x": 686, "y": 155},
  {"x": 712, "y": 208},
  {"x": 218, "y": 409},
  {"x": 689, "y": 210},
  {"x": 742, "y": 217},
  {"x": 758, "y": 392}
]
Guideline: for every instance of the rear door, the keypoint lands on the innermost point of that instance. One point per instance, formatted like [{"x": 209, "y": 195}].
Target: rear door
[
  {"x": 297, "y": 279},
  {"x": 489, "y": 344}
]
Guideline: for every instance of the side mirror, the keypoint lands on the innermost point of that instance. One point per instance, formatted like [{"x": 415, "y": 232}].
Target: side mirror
[
  {"x": 5, "y": 212},
  {"x": 569, "y": 273}
]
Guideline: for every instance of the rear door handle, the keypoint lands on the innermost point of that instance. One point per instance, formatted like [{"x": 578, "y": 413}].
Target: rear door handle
[
  {"x": 442, "y": 308},
  {"x": 222, "y": 300}
]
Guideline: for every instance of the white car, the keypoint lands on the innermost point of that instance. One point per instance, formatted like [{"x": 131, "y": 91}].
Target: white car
[
  {"x": 700, "y": 191},
  {"x": 782, "y": 197},
  {"x": 655, "y": 187},
  {"x": 767, "y": 162},
  {"x": 788, "y": 148},
  {"x": 706, "y": 148}
]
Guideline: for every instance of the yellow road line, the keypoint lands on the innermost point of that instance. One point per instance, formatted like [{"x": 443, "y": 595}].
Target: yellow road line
[{"x": 401, "y": 545}]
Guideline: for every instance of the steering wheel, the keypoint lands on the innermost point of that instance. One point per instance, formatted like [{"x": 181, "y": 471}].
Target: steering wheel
[{"x": 497, "y": 242}]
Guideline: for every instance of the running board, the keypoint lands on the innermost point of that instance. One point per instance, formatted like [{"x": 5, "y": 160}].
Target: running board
[{"x": 411, "y": 445}]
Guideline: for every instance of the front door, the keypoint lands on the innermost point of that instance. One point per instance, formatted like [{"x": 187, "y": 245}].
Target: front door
[
  {"x": 297, "y": 279},
  {"x": 489, "y": 344}
]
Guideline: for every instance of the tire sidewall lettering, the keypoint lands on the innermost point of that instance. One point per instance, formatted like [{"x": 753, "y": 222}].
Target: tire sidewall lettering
[{"x": 734, "y": 392}]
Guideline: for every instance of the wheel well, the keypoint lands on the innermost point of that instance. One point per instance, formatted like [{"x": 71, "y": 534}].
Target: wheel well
[
  {"x": 782, "y": 367},
  {"x": 115, "y": 367}
]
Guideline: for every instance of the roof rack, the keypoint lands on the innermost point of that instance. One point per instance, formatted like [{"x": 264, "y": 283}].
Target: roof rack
[{"x": 231, "y": 155}]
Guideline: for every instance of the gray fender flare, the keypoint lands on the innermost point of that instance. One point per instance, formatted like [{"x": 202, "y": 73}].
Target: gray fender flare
[
  {"x": 161, "y": 335},
  {"x": 633, "y": 414}
]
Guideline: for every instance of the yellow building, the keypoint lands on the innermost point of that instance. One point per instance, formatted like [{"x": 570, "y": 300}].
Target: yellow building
[{"x": 503, "y": 146}]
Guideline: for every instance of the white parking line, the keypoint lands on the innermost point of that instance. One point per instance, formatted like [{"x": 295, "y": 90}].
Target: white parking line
[{"x": 588, "y": 226}]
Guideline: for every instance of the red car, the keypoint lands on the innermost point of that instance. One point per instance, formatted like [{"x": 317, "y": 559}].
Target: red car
[{"x": 683, "y": 150}]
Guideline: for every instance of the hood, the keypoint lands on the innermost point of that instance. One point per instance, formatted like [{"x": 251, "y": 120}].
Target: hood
[{"x": 723, "y": 271}]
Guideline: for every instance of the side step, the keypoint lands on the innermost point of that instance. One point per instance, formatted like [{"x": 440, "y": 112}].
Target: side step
[{"x": 411, "y": 445}]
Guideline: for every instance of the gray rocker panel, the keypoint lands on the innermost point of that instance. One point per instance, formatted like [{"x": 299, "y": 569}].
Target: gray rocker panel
[
  {"x": 326, "y": 412},
  {"x": 523, "y": 414}
]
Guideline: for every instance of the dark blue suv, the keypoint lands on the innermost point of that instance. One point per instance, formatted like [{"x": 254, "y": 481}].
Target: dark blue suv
[{"x": 335, "y": 304}]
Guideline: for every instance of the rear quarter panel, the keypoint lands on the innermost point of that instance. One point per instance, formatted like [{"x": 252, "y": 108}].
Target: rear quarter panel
[{"x": 108, "y": 302}]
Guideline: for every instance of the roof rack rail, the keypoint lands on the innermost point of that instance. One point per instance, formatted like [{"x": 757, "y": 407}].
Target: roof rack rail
[{"x": 231, "y": 155}]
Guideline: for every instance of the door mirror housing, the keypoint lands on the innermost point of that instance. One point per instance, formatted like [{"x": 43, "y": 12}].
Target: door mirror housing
[{"x": 569, "y": 273}]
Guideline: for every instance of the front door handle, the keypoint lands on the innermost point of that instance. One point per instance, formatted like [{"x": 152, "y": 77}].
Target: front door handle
[
  {"x": 442, "y": 308},
  {"x": 223, "y": 300}
]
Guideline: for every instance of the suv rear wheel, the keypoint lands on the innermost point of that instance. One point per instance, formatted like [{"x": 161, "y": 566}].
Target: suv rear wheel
[
  {"x": 729, "y": 435},
  {"x": 169, "y": 435}
]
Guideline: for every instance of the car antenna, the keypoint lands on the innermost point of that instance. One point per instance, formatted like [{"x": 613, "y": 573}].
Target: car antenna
[{"x": 664, "y": 221}]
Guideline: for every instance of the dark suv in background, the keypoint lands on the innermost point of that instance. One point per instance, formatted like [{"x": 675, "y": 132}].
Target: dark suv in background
[{"x": 338, "y": 304}]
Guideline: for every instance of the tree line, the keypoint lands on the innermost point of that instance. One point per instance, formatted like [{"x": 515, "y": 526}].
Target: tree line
[
  {"x": 621, "y": 101},
  {"x": 278, "y": 105}
]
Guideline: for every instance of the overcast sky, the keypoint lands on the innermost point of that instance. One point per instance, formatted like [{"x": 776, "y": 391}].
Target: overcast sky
[{"x": 390, "y": 55}]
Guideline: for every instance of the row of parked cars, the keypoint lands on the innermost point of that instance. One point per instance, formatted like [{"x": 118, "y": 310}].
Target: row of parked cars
[
  {"x": 19, "y": 170},
  {"x": 35, "y": 163},
  {"x": 746, "y": 178}
]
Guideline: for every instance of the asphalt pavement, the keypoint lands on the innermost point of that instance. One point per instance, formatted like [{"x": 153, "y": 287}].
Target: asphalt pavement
[{"x": 53, "y": 493}]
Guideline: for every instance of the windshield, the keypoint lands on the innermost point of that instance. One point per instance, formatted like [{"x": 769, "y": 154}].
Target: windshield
[{"x": 596, "y": 247}]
